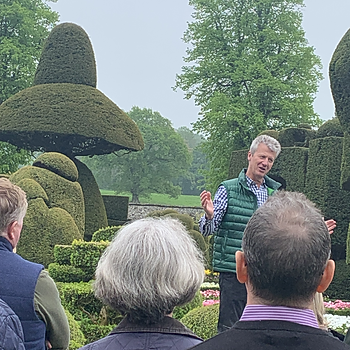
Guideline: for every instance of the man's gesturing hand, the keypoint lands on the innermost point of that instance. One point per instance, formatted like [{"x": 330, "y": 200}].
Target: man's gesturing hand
[{"x": 207, "y": 204}]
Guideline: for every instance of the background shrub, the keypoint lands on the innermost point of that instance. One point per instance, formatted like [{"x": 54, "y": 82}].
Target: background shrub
[
  {"x": 105, "y": 234},
  {"x": 203, "y": 321},
  {"x": 181, "y": 311}
]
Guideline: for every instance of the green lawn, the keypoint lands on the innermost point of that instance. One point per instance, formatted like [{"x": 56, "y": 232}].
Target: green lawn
[{"x": 156, "y": 198}]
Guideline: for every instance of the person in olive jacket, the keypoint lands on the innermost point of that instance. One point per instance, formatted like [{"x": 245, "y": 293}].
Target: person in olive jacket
[{"x": 151, "y": 266}]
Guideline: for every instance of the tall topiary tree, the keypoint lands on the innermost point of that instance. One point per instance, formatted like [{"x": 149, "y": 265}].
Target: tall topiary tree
[{"x": 64, "y": 112}]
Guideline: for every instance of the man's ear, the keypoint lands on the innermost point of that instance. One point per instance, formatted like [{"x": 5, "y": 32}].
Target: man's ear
[
  {"x": 241, "y": 267},
  {"x": 327, "y": 276},
  {"x": 10, "y": 231},
  {"x": 249, "y": 155}
]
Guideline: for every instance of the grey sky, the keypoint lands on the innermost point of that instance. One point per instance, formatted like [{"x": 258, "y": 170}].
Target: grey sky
[{"x": 139, "y": 50}]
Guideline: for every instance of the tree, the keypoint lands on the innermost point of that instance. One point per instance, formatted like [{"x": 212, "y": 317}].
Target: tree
[
  {"x": 250, "y": 68},
  {"x": 24, "y": 26},
  {"x": 192, "y": 183},
  {"x": 164, "y": 158}
]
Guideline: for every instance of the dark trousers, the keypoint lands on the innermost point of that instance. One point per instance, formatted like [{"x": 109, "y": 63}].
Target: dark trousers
[{"x": 233, "y": 298}]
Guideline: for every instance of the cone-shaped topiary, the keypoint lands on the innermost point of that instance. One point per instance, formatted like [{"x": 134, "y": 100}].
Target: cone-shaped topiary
[{"x": 67, "y": 57}]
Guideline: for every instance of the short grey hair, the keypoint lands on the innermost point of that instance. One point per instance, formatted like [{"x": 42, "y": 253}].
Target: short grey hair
[
  {"x": 151, "y": 266},
  {"x": 269, "y": 141},
  {"x": 13, "y": 204},
  {"x": 286, "y": 245}
]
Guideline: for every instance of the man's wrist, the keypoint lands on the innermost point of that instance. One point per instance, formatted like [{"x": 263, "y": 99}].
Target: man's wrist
[{"x": 208, "y": 218}]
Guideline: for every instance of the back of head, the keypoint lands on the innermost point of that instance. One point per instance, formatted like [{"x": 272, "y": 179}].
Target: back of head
[
  {"x": 13, "y": 204},
  {"x": 269, "y": 141},
  {"x": 286, "y": 245},
  {"x": 151, "y": 266}
]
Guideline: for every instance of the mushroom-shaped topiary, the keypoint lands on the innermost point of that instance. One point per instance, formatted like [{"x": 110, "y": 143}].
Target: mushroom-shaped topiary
[
  {"x": 331, "y": 127},
  {"x": 64, "y": 112}
]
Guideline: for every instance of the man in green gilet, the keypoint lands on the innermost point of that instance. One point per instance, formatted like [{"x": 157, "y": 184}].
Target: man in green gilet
[{"x": 235, "y": 202}]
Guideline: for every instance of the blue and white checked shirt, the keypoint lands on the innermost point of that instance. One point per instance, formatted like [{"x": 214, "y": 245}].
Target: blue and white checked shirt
[{"x": 208, "y": 227}]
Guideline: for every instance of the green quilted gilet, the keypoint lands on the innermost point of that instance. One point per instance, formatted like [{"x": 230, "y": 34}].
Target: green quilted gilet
[{"x": 242, "y": 203}]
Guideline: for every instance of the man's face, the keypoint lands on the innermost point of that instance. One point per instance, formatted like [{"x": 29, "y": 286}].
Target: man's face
[{"x": 260, "y": 162}]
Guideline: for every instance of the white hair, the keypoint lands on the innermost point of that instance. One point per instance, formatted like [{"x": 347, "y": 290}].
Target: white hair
[
  {"x": 151, "y": 266},
  {"x": 269, "y": 141}
]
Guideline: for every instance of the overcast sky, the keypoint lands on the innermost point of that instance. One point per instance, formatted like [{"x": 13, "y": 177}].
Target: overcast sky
[{"x": 138, "y": 49}]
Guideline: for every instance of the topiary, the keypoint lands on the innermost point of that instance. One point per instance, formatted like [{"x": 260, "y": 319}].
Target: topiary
[
  {"x": 339, "y": 287},
  {"x": 54, "y": 225},
  {"x": 105, "y": 234},
  {"x": 181, "y": 311},
  {"x": 300, "y": 137},
  {"x": 62, "y": 254},
  {"x": 95, "y": 212},
  {"x": 331, "y": 127},
  {"x": 202, "y": 245},
  {"x": 159, "y": 213},
  {"x": 185, "y": 219},
  {"x": 77, "y": 338},
  {"x": 203, "y": 321},
  {"x": 93, "y": 331},
  {"x": 68, "y": 273},
  {"x": 272, "y": 133},
  {"x": 61, "y": 192}
]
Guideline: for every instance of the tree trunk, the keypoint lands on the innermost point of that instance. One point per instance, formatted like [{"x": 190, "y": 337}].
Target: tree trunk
[{"x": 135, "y": 198}]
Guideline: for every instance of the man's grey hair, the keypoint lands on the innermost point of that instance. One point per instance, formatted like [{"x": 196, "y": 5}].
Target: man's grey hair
[
  {"x": 269, "y": 141},
  {"x": 151, "y": 266},
  {"x": 13, "y": 204},
  {"x": 286, "y": 246}
]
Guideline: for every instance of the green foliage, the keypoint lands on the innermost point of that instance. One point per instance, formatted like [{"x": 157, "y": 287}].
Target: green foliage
[
  {"x": 77, "y": 338},
  {"x": 164, "y": 158},
  {"x": 322, "y": 187},
  {"x": 300, "y": 137},
  {"x": 58, "y": 164},
  {"x": 105, "y": 234},
  {"x": 272, "y": 133},
  {"x": 53, "y": 226},
  {"x": 61, "y": 193},
  {"x": 62, "y": 254},
  {"x": 159, "y": 213},
  {"x": 94, "y": 331},
  {"x": 180, "y": 311},
  {"x": 290, "y": 168},
  {"x": 331, "y": 127},
  {"x": 249, "y": 68},
  {"x": 339, "y": 75},
  {"x": 116, "y": 207},
  {"x": 185, "y": 219},
  {"x": 67, "y": 57},
  {"x": 24, "y": 27},
  {"x": 11, "y": 158},
  {"x": 202, "y": 245},
  {"x": 339, "y": 287},
  {"x": 105, "y": 127},
  {"x": 203, "y": 321},
  {"x": 95, "y": 212},
  {"x": 68, "y": 273},
  {"x": 79, "y": 300},
  {"x": 87, "y": 254}
]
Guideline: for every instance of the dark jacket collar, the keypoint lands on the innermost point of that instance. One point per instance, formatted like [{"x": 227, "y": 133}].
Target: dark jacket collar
[
  {"x": 166, "y": 325},
  {"x": 5, "y": 244}
]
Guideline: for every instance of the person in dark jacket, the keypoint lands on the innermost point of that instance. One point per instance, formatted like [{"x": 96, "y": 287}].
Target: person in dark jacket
[
  {"x": 11, "y": 333},
  {"x": 151, "y": 266},
  {"x": 285, "y": 260}
]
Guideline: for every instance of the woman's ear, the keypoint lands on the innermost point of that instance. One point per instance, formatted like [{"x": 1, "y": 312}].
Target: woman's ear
[
  {"x": 241, "y": 267},
  {"x": 327, "y": 276}
]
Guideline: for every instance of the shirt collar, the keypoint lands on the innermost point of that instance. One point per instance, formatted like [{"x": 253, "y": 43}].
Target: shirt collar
[
  {"x": 304, "y": 317},
  {"x": 250, "y": 182}
]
